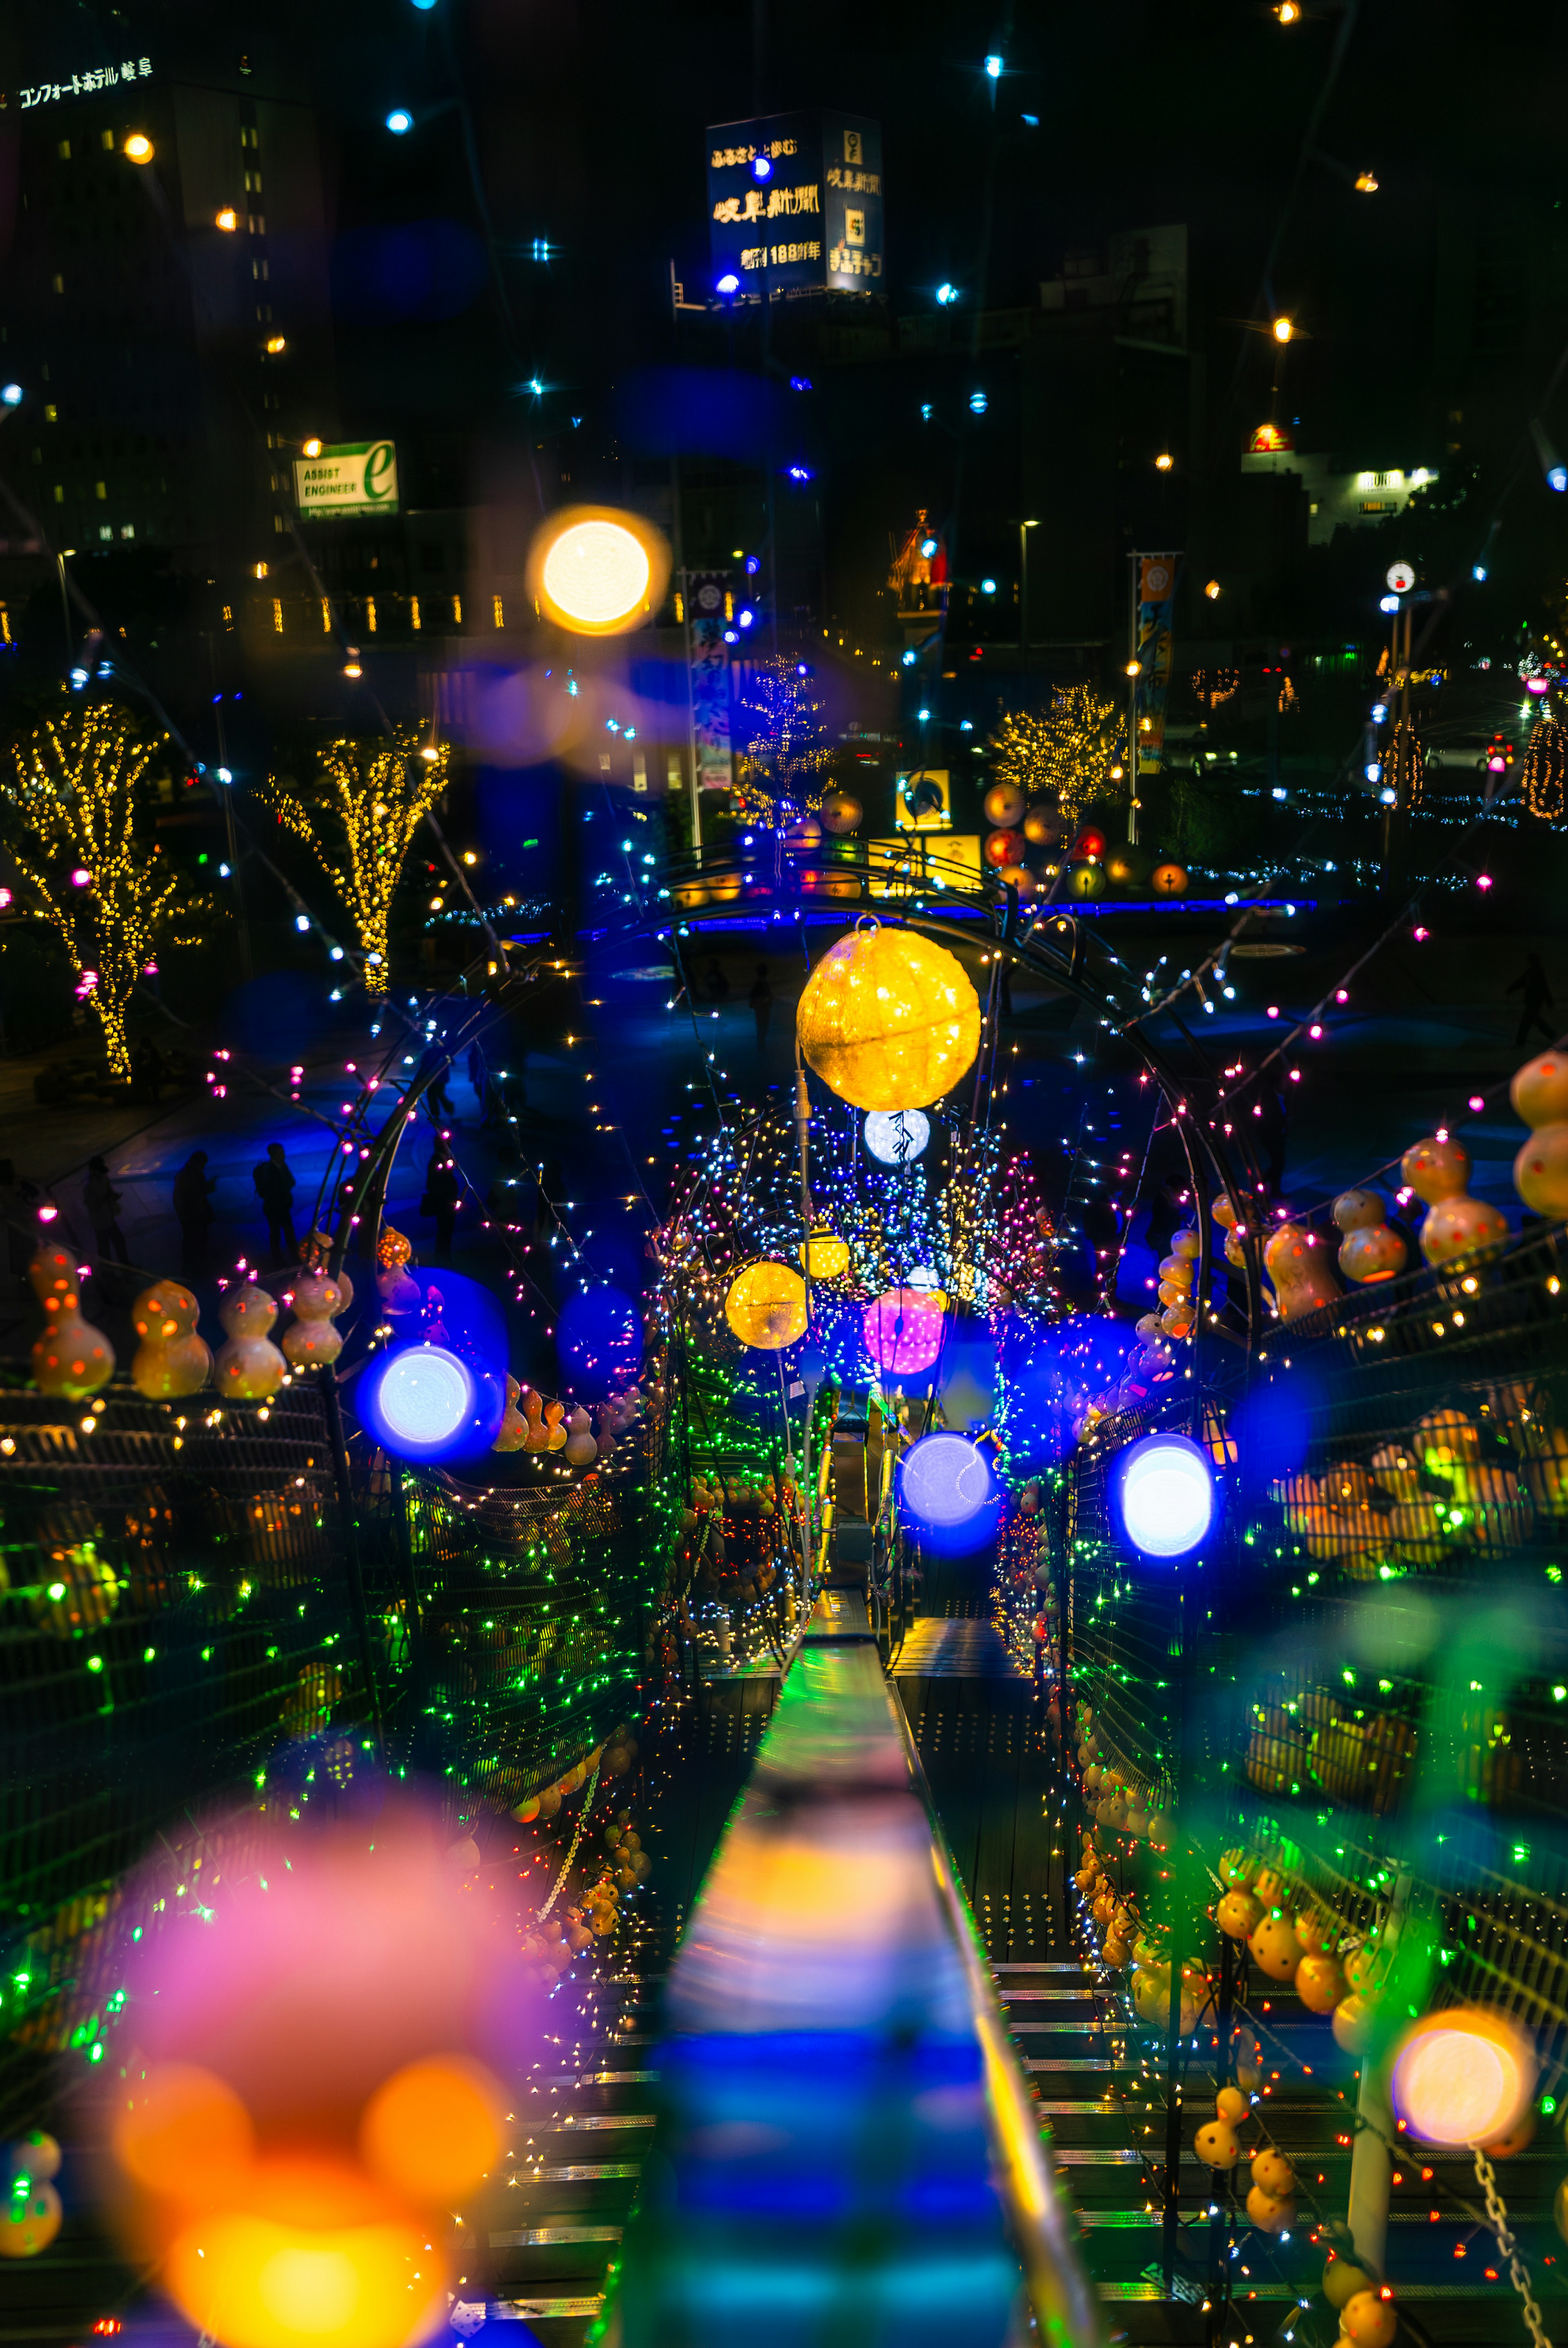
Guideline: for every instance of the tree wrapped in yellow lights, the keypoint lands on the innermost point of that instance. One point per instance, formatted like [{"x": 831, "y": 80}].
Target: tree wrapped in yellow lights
[
  {"x": 1064, "y": 755},
  {"x": 80, "y": 833},
  {"x": 358, "y": 818}
]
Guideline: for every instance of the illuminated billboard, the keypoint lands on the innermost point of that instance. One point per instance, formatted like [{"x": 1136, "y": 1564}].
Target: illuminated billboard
[
  {"x": 355, "y": 477},
  {"x": 795, "y": 206}
]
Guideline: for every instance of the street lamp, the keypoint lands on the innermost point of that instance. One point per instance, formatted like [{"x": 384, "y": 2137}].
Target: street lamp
[{"x": 1023, "y": 529}]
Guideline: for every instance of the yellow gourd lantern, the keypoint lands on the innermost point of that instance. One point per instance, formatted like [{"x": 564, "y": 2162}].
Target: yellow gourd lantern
[
  {"x": 825, "y": 1255},
  {"x": 765, "y": 1306},
  {"x": 888, "y": 1020}
]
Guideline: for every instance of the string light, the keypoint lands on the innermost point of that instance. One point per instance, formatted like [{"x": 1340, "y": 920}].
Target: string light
[
  {"x": 73, "y": 790},
  {"x": 359, "y": 819}
]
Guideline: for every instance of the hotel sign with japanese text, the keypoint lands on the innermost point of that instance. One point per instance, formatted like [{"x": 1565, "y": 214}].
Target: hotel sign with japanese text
[{"x": 794, "y": 205}]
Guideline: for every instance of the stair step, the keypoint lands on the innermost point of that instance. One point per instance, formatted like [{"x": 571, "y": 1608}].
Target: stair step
[
  {"x": 579, "y": 2174},
  {"x": 1079, "y": 2063},
  {"x": 530, "y": 2236},
  {"x": 531, "y": 2310},
  {"x": 1045, "y": 1996},
  {"x": 1041, "y": 1969},
  {"x": 591, "y": 2120}
]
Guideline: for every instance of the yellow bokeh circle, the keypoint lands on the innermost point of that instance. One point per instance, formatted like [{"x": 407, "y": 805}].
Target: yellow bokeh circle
[
  {"x": 765, "y": 1306},
  {"x": 596, "y": 570},
  {"x": 889, "y": 1020},
  {"x": 1462, "y": 2077}
]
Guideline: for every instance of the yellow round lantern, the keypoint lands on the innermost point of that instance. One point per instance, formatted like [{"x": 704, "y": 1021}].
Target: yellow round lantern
[
  {"x": 889, "y": 1020},
  {"x": 765, "y": 1306},
  {"x": 825, "y": 1255}
]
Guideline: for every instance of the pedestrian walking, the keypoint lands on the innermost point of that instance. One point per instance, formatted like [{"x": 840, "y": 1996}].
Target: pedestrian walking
[
  {"x": 441, "y": 1192},
  {"x": 437, "y": 1099},
  {"x": 274, "y": 1181},
  {"x": 101, "y": 1201},
  {"x": 147, "y": 1072},
  {"x": 716, "y": 986},
  {"x": 1534, "y": 986},
  {"x": 19, "y": 1208},
  {"x": 193, "y": 1189},
  {"x": 761, "y": 999}
]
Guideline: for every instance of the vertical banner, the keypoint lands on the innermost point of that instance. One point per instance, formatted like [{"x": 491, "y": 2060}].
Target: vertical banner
[
  {"x": 708, "y": 657},
  {"x": 1156, "y": 594}
]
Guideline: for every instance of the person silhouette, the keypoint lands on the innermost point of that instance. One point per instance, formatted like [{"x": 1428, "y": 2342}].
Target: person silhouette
[
  {"x": 1534, "y": 986},
  {"x": 761, "y": 999}
]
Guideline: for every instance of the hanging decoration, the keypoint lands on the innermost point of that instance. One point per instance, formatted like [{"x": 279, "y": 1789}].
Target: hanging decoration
[
  {"x": 311, "y": 1341},
  {"x": 1539, "y": 1096},
  {"x": 888, "y": 1020},
  {"x": 171, "y": 1360},
  {"x": 903, "y": 1330},
  {"x": 1457, "y": 1226},
  {"x": 71, "y": 1358},
  {"x": 1371, "y": 1250},
  {"x": 765, "y": 1306},
  {"x": 249, "y": 1368}
]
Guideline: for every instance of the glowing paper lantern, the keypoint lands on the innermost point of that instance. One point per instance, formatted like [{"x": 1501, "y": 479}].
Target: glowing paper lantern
[
  {"x": 899, "y": 1139},
  {"x": 1163, "y": 1494},
  {"x": 596, "y": 570},
  {"x": 825, "y": 1255},
  {"x": 765, "y": 1306},
  {"x": 888, "y": 1020},
  {"x": 1462, "y": 2077},
  {"x": 903, "y": 1331}
]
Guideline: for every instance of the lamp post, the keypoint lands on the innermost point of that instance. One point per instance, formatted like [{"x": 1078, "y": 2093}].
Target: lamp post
[{"x": 1023, "y": 529}]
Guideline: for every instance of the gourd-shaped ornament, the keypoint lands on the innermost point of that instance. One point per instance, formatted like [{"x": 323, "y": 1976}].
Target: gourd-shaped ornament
[
  {"x": 1458, "y": 1226},
  {"x": 1371, "y": 1250},
  {"x": 172, "y": 1359},
  {"x": 554, "y": 1427},
  {"x": 534, "y": 1412},
  {"x": 70, "y": 1358},
  {"x": 1297, "y": 1264},
  {"x": 310, "y": 1341},
  {"x": 1539, "y": 1096},
  {"x": 581, "y": 1449},
  {"x": 397, "y": 1290},
  {"x": 1225, "y": 1214},
  {"x": 513, "y": 1432},
  {"x": 249, "y": 1368},
  {"x": 316, "y": 1256}
]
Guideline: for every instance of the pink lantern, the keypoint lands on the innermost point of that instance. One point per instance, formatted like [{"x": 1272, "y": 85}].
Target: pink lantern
[{"x": 903, "y": 1331}]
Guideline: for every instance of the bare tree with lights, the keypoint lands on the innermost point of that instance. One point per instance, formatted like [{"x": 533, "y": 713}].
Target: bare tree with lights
[
  {"x": 80, "y": 829},
  {"x": 1063, "y": 757},
  {"x": 358, "y": 818}
]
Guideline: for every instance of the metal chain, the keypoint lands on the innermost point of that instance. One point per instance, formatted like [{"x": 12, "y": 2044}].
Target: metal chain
[
  {"x": 571, "y": 1854},
  {"x": 1497, "y": 2218}
]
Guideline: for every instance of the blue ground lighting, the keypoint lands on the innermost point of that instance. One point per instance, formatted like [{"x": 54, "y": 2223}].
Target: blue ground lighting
[
  {"x": 1163, "y": 1497},
  {"x": 947, "y": 1491},
  {"x": 422, "y": 1402}
]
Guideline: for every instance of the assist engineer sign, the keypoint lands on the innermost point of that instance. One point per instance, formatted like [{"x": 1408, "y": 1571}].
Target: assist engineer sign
[{"x": 356, "y": 477}]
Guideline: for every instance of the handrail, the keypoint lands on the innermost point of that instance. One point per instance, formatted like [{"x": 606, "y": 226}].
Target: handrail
[{"x": 1060, "y": 2293}]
